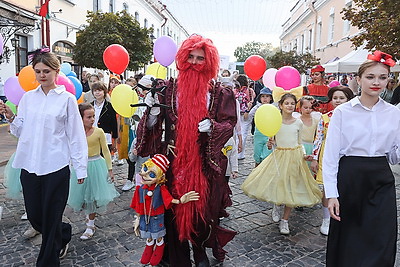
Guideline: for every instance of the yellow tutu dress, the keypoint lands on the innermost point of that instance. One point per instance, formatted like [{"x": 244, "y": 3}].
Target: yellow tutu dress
[{"x": 284, "y": 176}]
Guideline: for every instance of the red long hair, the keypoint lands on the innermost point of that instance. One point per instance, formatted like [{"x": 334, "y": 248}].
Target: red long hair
[{"x": 193, "y": 86}]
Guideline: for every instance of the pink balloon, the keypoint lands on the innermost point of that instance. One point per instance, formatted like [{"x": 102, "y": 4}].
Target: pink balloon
[
  {"x": 164, "y": 50},
  {"x": 334, "y": 83},
  {"x": 63, "y": 80},
  {"x": 13, "y": 90},
  {"x": 269, "y": 78},
  {"x": 287, "y": 77}
]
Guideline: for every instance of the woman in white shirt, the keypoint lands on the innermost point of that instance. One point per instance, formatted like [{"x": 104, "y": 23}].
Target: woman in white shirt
[
  {"x": 51, "y": 135},
  {"x": 363, "y": 138}
]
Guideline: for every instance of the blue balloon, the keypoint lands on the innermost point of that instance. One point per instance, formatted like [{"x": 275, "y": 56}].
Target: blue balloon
[
  {"x": 73, "y": 74},
  {"x": 78, "y": 86},
  {"x": 66, "y": 68}
]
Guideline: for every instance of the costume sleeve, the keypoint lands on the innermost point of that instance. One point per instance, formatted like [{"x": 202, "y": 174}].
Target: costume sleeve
[
  {"x": 394, "y": 154},
  {"x": 238, "y": 125},
  {"x": 253, "y": 110},
  {"x": 149, "y": 139},
  {"x": 319, "y": 137},
  {"x": 166, "y": 196},
  {"x": 330, "y": 161},
  {"x": 104, "y": 148},
  {"x": 78, "y": 145},
  {"x": 135, "y": 200}
]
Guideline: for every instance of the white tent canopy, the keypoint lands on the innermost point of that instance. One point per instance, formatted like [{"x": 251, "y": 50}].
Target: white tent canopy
[{"x": 351, "y": 62}]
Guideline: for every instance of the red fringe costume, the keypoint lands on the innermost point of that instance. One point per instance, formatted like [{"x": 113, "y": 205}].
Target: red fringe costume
[{"x": 197, "y": 162}]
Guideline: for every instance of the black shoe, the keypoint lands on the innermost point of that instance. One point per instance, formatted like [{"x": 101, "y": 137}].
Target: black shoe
[
  {"x": 299, "y": 209},
  {"x": 204, "y": 263},
  {"x": 63, "y": 251}
]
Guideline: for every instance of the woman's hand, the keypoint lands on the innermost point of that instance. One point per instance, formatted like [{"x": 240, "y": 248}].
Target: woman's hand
[
  {"x": 270, "y": 143},
  {"x": 80, "y": 181},
  {"x": 6, "y": 110},
  {"x": 333, "y": 207},
  {"x": 111, "y": 175},
  {"x": 314, "y": 166}
]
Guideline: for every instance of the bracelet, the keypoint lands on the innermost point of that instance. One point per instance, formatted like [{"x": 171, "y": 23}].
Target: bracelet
[{"x": 10, "y": 119}]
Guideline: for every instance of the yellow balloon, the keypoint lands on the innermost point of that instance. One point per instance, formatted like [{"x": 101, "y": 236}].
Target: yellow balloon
[
  {"x": 121, "y": 99},
  {"x": 157, "y": 70},
  {"x": 268, "y": 119}
]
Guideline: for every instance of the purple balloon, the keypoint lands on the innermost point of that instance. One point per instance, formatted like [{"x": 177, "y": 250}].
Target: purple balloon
[
  {"x": 164, "y": 50},
  {"x": 13, "y": 90},
  {"x": 1, "y": 44},
  {"x": 287, "y": 77}
]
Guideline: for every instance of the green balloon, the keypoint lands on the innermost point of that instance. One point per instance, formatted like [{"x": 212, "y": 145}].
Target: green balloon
[{"x": 12, "y": 106}]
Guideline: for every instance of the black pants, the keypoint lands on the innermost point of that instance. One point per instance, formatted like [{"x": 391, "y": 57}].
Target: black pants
[
  {"x": 131, "y": 169},
  {"x": 45, "y": 199}
]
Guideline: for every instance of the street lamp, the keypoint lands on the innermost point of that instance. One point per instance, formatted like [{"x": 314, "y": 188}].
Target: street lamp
[{"x": 7, "y": 52}]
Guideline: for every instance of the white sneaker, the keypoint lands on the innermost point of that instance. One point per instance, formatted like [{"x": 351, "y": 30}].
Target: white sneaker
[
  {"x": 324, "y": 229},
  {"x": 276, "y": 216},
  {"x": 24, "y": 216},
  {"x": 284, "y": 227},
  {"x": 127, "y": 186},
  {"x": 30, "y": 233}
]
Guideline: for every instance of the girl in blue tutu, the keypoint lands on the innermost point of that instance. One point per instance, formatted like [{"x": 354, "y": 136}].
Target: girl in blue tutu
[{"x": 93, "y": 193}]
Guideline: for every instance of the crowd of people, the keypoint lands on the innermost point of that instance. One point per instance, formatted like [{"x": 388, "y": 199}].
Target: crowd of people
[{"x": 185, "y": 142}]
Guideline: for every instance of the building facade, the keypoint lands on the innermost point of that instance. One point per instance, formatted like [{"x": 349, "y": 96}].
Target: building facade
[
  {"x": 317, "y": 26},
  {"x": 24, "y": 30}
]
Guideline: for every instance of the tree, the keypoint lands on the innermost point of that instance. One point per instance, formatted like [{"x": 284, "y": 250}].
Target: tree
[
  {"x": 378, "y": 22},
  {"x": 301, "y": 62},
  {"x": 253, "y": 48},
  {"x": 108, "y": 28}
]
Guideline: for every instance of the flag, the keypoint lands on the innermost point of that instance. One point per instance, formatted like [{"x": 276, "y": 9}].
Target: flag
[{"x": 44, "y": 10}]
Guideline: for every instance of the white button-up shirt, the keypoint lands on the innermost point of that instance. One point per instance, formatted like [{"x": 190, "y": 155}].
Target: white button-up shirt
[
  {"x": 50, "y": 132},
  {"x": 355, "y": 130}
]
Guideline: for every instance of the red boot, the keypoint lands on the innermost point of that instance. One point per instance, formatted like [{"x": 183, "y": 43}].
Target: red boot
[
  {"x": 157, "y": 255},
  {"x": 148, "y": 251}
]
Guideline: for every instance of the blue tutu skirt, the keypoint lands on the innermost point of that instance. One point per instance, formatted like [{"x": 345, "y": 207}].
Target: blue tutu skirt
[
  {"x": 12, "y": 180},
  {"x": 96, "y": 192}
]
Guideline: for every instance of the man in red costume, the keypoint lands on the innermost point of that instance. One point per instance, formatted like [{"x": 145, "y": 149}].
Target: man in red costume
[
  {"x": 199, "y": 121},
  {"x": 318, "y": 89}
]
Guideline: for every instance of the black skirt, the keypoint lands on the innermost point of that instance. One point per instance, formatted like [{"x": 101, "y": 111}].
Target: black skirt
[{"x": 367, "y": 232}]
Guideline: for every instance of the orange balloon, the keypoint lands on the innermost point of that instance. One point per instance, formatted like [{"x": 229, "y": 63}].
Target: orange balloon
[
  {"x": 80, "y": 100},
  {"x": 27, "y": 78}
]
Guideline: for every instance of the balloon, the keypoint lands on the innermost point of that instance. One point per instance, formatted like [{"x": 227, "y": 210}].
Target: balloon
[
  {"x": 66, "y": 68},
  {"x": 12, "y": 107},
  {"x": 334, "y": 83},
  {"x": 269, "y": 78},
  {"x": 254, "y": 67},
  {"x": 164, "y": 50},
  {"x": 116, "y": 58},
  {"x": 1, "y": 44},
  {"x": 72, "y": 73},
  {"x": 157, "y": 70},
  {"x": 63, "y": 80},
  {"x": 77, "y": 85},
  {"x": 27, "y": 78},
  {"x": 268, "y": 119},
  {"x": 287, "y": 77},
  {"x": 80, "y": 100},
  {"x": 121, "y": 99},
  {"x": 13, "y": 90}
]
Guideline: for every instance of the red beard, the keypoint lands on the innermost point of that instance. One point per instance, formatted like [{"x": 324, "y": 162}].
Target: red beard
[{"x": 187, "y": 167}]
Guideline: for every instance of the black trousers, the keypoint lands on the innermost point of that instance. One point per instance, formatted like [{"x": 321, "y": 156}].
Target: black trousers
[{"x": 45, "y": 199}]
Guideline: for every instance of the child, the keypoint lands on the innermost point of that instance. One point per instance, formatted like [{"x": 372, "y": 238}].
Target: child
[
  {"x": 309, "y": 125},
  {"x": 284, "y": 177},
  {"x": 94, "y": 192},
  {"x": 150, "y": 201},
  {"x": 261, "y": 150},
  {"x": 337, "y": 95}
]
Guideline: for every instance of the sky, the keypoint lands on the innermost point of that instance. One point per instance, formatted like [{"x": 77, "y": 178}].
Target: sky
[{"x": 232, "y": 23}]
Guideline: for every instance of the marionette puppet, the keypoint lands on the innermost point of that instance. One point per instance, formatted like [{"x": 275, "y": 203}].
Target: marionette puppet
[{"x": 150, "y": 201}]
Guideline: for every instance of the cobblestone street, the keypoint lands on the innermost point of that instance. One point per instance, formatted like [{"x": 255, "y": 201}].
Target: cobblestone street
[{"x": 258, "y": 242}]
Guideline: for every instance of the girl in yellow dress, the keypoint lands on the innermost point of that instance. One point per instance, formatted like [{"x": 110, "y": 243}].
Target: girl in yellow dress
[{"x": 284, "y": 178}]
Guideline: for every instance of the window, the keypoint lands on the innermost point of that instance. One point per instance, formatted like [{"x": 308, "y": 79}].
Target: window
[
  {"x": 301, "y": 44},
  {"x": 331, "y": 28},
  {"x": 111, "y": 6},
  {"x": 346, "y": 23},
  {"x": 319, "y": 33},
  {"x": 158, "y": 33},
  {"x": 146, "y": 23},
  {"x": 310, "y": 37},
  {"x": 96, "y": 5},
  {"x": 137, "y": 16},
  {"x": 21, "y": 53},
  {"x": 125, "y": 6}
]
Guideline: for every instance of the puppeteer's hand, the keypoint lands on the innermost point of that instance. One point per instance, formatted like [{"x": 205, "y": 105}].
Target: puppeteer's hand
[
  {"x": 149, "y": 100},
  {"x": 205, "y": 126},
  {"x": 136, "y": 229},
  {"x": 189, "y": 196}
]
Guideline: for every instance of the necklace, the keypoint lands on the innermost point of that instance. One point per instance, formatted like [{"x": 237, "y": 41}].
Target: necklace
[{"x": 147, "y": 217}]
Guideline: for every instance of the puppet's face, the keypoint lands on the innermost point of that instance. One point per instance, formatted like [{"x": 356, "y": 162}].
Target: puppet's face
[{"x": 151, "y": 173}]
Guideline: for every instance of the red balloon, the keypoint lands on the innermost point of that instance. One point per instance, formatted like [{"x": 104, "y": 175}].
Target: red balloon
[
  {"x": 254, "y": 67},
  {"x": 116, "y": 58}
]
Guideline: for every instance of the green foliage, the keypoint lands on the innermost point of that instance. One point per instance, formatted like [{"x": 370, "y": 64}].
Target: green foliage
[
  {"x": 301, "y": 62},
  {"x": 108, "y": 28},
  {"x": 253, "y": 48},
  {"x": 378, "y": 21}
]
